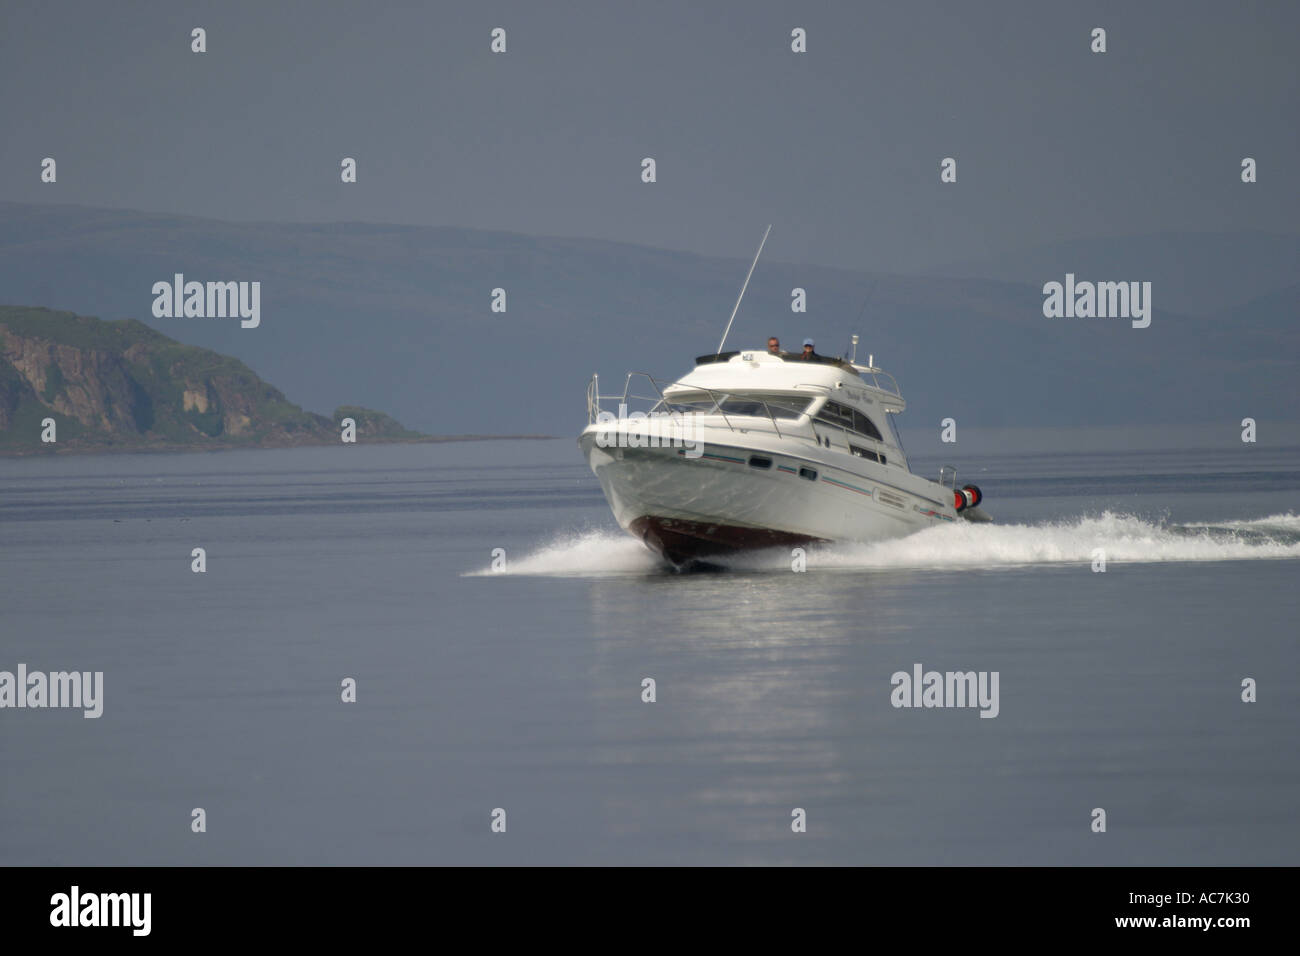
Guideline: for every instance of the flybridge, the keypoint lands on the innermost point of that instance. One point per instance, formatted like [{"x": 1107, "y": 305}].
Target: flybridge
[
  {"x": 848, "y": 365},
  {"x": 749, "y": 356},
  {"x": 726, "y": 369}
]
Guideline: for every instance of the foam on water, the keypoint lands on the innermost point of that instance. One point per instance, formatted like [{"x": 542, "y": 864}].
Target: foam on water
[
  {"x": 1281, "y": 523},
  {"x": 584, "y": 554},
  {"x": 1125, "y": 538}
]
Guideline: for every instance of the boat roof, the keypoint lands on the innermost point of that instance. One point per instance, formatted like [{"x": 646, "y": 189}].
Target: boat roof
[
  {"x": 764, "y": 355},
  {"x": 761, "y": 370}
]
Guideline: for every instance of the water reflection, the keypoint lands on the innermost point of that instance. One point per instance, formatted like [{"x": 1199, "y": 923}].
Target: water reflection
[{"x": 763, "y": 680}]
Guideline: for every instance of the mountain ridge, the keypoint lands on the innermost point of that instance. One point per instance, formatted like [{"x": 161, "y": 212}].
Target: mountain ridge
[{"x": 399, "y": 318}]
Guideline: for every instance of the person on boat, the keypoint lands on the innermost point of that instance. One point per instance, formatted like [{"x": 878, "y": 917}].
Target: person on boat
[
  {"x": 809, "y": 355},
  {"x": 774, "y": 346}
]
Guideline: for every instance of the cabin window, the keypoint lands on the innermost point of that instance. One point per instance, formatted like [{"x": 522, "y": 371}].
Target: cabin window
[
  {"x": 808, "y": 473},
  {"x": 867, "y": 454},
  {"x": 850, "y": 419},
  {"x": 865, "y": 426},
  {"x": 834, "y": 413},
  {"x": 758, "y": 461},
  {"x": 762, "y": 405}
]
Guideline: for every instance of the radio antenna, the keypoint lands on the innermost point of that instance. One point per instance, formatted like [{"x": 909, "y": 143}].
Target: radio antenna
[
  {"x": 727, "y": 330},
  {"x": 871, "y": 292}
]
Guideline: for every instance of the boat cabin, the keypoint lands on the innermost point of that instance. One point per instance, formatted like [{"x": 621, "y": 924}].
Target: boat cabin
[{"x": 840, "y": 404}]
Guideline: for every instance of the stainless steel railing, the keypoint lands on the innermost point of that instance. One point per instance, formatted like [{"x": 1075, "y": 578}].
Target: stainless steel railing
[{"x": 594, "y": 398}]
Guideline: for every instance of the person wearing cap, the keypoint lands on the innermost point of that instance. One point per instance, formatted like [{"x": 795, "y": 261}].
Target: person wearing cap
[{"x": 808, "y": 354}]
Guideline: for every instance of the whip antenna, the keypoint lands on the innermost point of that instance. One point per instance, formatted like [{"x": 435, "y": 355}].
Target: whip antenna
[{"x": 727, "y": 330}]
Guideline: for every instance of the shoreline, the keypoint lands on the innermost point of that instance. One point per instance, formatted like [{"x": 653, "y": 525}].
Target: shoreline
[{"x": 165, "y": 449}]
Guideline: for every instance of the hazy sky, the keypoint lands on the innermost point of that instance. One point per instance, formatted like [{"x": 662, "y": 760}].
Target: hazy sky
[{"x": 839, "y": 147}]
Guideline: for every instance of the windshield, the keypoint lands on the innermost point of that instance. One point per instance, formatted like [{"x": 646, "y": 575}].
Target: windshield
[
  {"x": 687, "y": 402},
  {"x": 758, "y": 404}
]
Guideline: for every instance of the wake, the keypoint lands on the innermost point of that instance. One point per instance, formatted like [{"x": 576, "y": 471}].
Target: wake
[{"x": 1124, "y": 538}]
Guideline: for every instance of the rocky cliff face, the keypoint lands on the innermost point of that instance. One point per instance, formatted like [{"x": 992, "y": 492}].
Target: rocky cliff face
[
  {"x": 93, "y": 387},
  {"x": 122, "y": 384}
]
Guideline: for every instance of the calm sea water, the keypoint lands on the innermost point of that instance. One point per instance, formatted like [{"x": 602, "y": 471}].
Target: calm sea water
[{"x": 522, "y": 690}]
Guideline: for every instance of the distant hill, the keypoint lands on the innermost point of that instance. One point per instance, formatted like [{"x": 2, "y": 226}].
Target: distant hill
[
  {"x": 122, "y": 385},
  {"x": 399, "y": 318}
]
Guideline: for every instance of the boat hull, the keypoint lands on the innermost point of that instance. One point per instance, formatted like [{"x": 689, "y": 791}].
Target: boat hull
[
  {"x": 712, "y": 503},
  {"x": 682, "y": 541}
]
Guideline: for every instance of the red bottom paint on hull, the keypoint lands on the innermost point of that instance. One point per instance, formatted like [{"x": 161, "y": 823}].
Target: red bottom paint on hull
[{"x": 682, "y": 541}]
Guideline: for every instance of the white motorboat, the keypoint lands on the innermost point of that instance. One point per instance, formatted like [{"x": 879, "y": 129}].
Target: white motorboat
[{"x": 754, "y": 449}]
